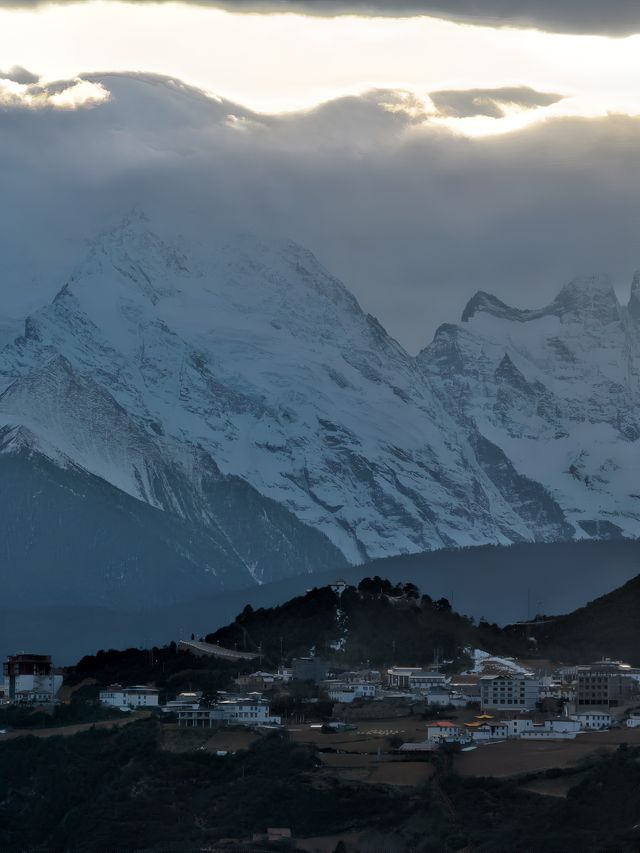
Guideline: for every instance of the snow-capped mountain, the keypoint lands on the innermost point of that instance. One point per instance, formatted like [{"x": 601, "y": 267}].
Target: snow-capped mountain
[
  {"x": 238, "y": 391},
  {"x": 557, "y": 390}
]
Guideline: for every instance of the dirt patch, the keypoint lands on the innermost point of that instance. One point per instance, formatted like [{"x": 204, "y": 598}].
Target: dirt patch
[
  {"x": 514, "y": 758},
  {"x": 66, "y": 692},
  {"x": 369, "y": 769},
  {"x": 182, "y": 739},
  {"x": 554, "y": 787},
  {"x": 67, "y": 731}
]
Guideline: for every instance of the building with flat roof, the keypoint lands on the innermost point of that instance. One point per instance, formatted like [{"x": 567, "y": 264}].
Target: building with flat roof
[
  {"x": 126, "y": 698},
  {"x": 605, "y": 683},
  {"x": 30, "y": 678},
  {"x": 414, "y": 678},
  {"x": 251, "y": 710},
  {"x": 509, "y": 692}
]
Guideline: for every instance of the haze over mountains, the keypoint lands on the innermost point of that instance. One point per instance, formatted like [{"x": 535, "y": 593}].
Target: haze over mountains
[{"x": 210, "y": 416}]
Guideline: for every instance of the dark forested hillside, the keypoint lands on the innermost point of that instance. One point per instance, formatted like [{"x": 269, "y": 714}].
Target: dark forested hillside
[
  {"x": 381, "y": 622},
  {"x": 606, "y": 627},
  {"x": 376, "y": 621}
]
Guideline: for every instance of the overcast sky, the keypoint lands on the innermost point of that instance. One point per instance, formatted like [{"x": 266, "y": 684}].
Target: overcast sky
[
  {"x": 421, "y": 159},
  {"x": 611, "y": 17}
]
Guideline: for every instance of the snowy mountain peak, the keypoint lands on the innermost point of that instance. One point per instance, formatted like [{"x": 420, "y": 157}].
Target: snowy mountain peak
[
  {"x": 139, "y": 256},
  {"x": 589, "y": 297},
  {"x": 220, "y": 381},
  {"x": 481, "y": 301}
]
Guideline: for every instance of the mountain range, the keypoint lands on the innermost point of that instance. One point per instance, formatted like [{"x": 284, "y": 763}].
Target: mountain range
[{"x": 188, "y": 417}]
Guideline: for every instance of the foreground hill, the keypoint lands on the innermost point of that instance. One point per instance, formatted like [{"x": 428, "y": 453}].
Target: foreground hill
[{"x": 124, "y": 790}]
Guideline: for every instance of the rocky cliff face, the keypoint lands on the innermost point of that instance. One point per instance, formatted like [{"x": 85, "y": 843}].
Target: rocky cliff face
[
  {"x": 557, "y": 390},
  {"x": 239, "y": 391}
]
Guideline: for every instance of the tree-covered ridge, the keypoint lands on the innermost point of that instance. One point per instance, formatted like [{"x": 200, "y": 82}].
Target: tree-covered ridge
[
  {"x": 376, "y": 621},
  {"x": 384, "y": 623},
  {"x": 607, "y": 627}
]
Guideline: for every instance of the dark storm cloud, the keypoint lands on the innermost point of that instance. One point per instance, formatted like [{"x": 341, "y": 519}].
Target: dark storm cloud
[
  {"x": 610, "y": 17},
  {"x": 462, "y": 103},
  {"x": 412, "y": 218}
]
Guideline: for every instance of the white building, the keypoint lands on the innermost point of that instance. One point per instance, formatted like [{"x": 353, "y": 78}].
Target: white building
[
  {"x": 518, "y": 725},
  {"x": 508, "y": 692},
  {"x": 564, "y": 725},
  {"x": 414, "y": 678},
  {"x": 245, "y": 711},
  {"x": 30, "y": 678},
  {"x": 126, "y": 698},
  {"x": 346, "y": 692},
  {"x": 443, "y": 731},
  {"x": 249, "y": 711},
  {"x": 541, "y": 732},
  {"x": 484, "y": 731},
  {"x": 182, "y": 702},
  {"x": 594, "y": 719},
  {"x": 444, "y": 697}
]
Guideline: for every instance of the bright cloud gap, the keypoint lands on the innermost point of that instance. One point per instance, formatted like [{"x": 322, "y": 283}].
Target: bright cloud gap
[
  {"x": 471, "y": 113},
  {"x": 286, "y": 63}
]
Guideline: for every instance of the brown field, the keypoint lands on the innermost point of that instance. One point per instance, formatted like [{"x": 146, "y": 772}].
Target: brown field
[
  {"x": 386, "y": 770},
  {"x": 515, "y": 757},
  {"x": 182, "y": 739}
]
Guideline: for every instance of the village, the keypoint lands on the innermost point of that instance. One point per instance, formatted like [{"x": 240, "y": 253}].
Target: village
[
  {"x": 537, "y": 723},
  {"x": 498, "y": 699}
]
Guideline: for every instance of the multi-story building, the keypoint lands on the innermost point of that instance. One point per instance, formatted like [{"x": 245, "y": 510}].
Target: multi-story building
[
  {"x": 125, "y": 698},
  {"x": 348, "y": 691},
  {"x": 509, "y": 692},
  {"x": 183, "y": 701},
  {"x": 257, "y": 680},
  {"x": 248, "y": 711},
  {"x": 414, "y": 678},
  {"x": 239, "y": 711},
  {"x": 605, "y": 683},
  {"x": 30, "y": 678}
]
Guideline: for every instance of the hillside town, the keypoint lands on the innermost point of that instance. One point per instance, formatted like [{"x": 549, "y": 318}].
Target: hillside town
[
  {"x": 497, "y": 699},
  {"x": 424, "y": 721}
]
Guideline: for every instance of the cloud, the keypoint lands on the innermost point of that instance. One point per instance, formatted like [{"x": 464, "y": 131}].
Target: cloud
[
  {"x": 613, "y": 17},
  {"x": 495, "y": 103},
  {"x": 16, "y": 74},
  {"x": 412, "y": 217},
  {"x": 21, "y": 88}
]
